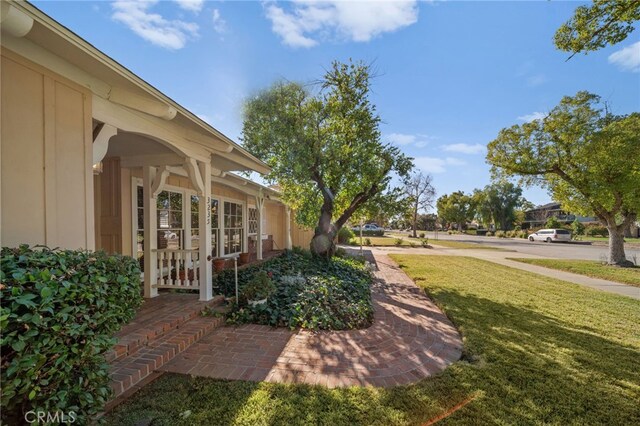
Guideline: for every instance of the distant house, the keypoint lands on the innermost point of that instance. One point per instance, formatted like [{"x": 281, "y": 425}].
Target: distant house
[{"x": 538, "y": 216}]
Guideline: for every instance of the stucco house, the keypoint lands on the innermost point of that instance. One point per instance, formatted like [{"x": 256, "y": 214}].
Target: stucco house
[{"x": 94, "y": 157}]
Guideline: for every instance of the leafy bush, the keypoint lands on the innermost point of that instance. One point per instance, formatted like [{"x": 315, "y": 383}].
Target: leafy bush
[
  {"x": 59, "y": 312},
  {"x": 345, "y": 235},
  {"x": 553, "y": 223},
  {"x": 398, "y": 242},
  {"x": 425, "y": 242},
  {"x": 311, "y": 292},
  {"x": 577, "y": 227},
  {"x": 490, "y": 234},
  {"x": 422, "y": 235},
  {"x": 501, "y": 234},
  {"x": 260, "y": 287},
  {"x": 596, "y": 231},
  {"x": 371, "y": 233},
  {"x": 367, "y": 241}
]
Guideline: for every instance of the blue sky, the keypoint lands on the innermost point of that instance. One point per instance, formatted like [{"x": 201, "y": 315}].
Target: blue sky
[{"x": 450, "y": 74}]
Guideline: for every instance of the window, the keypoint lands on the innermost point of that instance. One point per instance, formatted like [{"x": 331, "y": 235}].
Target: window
[
  {"x": 252, "y": 220},
  {"x": 140, "y": 229},
  {"x": 170, "y": 223},
  {"x": 232, "y": 221},
  {"x": 195, "y": 223},
  {"x": 215, "y": 227}
]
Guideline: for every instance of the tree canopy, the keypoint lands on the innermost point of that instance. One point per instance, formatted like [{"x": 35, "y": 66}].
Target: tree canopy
[
  {"x": 323, "y": 145},
  {"x": 497, "y": 203},
  {"x": 593, "y": 27},
  {"x": 586, "y": 157},
  {"x": 455, "y": 208},
  {"x": 420, "y": 192}
]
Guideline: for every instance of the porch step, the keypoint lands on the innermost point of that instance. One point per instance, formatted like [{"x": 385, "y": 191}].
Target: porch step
[
  {"x": 133, "y": 369},
  {"x": 156, "y": 318}
]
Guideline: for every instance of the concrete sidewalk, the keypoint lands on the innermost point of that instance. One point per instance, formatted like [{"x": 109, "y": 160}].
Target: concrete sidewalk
[{"x": 500, "y": 257}]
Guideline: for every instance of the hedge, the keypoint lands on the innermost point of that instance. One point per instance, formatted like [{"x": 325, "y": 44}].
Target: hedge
[
  {"x": 370, "y": 233},
  {"x": 345, "y": 235},
  {"x": 60, "y": 309}
]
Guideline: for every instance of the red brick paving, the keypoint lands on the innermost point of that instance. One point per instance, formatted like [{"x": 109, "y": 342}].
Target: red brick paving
[{"x": 409, "y": 340}]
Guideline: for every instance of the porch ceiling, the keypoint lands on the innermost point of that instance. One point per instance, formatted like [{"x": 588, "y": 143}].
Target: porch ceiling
[{"x": 129, "y": 144}]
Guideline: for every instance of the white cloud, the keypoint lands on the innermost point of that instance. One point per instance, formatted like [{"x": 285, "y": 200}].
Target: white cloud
[
  {"x": 464, "y": 148},
  {"x": 533, "y": 116},
  {"x": 627, "y": 58},
  {"x": 219, "y": 24},
  {"x": 170, "y": 34},
  {"x": 400, "y": 138},
  {"x": 436, "y": 165},
  {"x": 307, "y": 21},
  {"x": 403, "y": 139},
  {"x": 191, "y": 5},
  {"x": 536, "y": 80}
]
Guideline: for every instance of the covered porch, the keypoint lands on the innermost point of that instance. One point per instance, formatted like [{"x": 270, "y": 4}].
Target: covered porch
[{"x": 179, "y": 207}]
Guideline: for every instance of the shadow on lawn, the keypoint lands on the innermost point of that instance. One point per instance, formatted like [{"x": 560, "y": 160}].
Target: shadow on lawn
[{"x": 527, "y": 368}]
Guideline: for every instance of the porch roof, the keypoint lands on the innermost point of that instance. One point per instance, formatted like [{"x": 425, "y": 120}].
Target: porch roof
[{"x": 73, "y": 57}]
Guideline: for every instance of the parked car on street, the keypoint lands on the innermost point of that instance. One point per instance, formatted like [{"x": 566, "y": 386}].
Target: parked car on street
[
  {"x": 551, "y": 235},
  {"x": 368, "y": 227}
]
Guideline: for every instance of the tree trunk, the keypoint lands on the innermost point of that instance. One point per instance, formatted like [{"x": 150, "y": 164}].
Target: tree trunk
[
  {"x": 322, "y": 243},
  {"x": 616, "y": 246},
  {"x": 415, "y": 221}
]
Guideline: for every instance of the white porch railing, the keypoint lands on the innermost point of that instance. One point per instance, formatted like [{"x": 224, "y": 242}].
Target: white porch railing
[{"x": 178, "y": 269}]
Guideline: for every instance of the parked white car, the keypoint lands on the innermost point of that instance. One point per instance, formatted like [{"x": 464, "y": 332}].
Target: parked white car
[{"x": 551, "y": 235}]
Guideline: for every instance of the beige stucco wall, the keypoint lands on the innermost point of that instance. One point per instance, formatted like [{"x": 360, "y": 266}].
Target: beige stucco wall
[
  {"x": 46, "y": 153},
  {"x": 300, "y": 236}
]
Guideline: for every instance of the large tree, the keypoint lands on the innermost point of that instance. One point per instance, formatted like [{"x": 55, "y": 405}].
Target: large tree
[
  {"x": 455, "y": 208},
  {"x": 324, "y": 148},
  {"x": 419, "y": 189},
  {"x": 587, "y": 158},
  {"x": 594, "y": 26},
  {"x": 497, "y": 204}
]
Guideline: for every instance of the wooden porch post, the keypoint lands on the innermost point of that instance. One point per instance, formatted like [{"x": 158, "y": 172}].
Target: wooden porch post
[
  {"x": 289, "y": 244},
  {"x": 259, "y": 207},
  {"x": 150, "y": 233},
  {"x": 204, "y": 233}
]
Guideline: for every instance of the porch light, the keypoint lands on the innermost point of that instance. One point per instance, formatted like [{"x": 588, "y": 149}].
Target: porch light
[{"x": 97, "y": 168}]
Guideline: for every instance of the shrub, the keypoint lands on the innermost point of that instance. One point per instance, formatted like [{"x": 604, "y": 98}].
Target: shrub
[
  {"x": 260, "y": 287},
  {"x": 59, "y": 312},
  {"x": 553, "y": 223},
  {"x": 490, "y": 234},
  {"x": 372, "y": 233},
  {"x": 425, "y": 242},
  {"x": 345, "y": 235},
  {"x": 422, "y": 235},
  {"x": 577, "y": 227},
  {"x": 398, "y": 241},
  {"x": 596, "y": 231},
  {"x": 367, "y": 241},
  {"x": 311, "y": 292},
  {"x": 413, "y": 245}
]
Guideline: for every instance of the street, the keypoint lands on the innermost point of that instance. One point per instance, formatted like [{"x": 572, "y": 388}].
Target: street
[{"x": 551, "y": 250}]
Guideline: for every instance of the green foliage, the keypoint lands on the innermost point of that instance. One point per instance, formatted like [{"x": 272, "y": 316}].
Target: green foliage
[
  {"x": 594, "y": 26},
  {"x": 345, "y": 235},
  {"x": 371, "y": 233},
  {"x": 596, "y": 231},
  {"x": 501, "y": 234},
  {"x": 583, "y": 155},
  {"x": 422, "y": 235},
  {"x": 577, "y": 227},
  {"x": 367, "y": 241},
  {"x": 260, "y": 287},
  {"x": 553, "y": 223},
  {"x": 59, "y": 312},
  {"x": 424, "y": 242},
  {"x": 398, "y": 241},
  {"x": 324, "y": 148},
  {"x": 455, "y": 208},
  {"x": 497, "y": 203},
  {"x": 311, "y": 292}
]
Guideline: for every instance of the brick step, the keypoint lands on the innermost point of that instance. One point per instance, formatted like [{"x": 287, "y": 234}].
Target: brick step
[
  {"x": 128, "y": 371},
  {"x": 152, "y": 323}
]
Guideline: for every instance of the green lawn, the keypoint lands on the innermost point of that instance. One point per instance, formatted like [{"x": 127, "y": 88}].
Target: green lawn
[
  {"x": 591, "y": 268},
  {"x": 389, "y": 241},
  {"x": 462, "y": 245},
  {"x": 537, "y": 351}
]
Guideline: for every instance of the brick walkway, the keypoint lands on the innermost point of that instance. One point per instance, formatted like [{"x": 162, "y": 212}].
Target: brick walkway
[{"x": 410, "y": 339}]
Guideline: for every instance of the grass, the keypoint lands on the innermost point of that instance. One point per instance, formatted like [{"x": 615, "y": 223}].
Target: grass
[
  {"x": 537, "y": 351},
  {"x": 389, "y": 241},
  {"x": 590, "y": 268},
  {"x": 462, "y": 245}
]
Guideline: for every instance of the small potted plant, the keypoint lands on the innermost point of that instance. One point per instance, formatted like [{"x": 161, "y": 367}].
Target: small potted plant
[
  {"x": 218, "y": 263},
  {"x": 244, "y": 258},
  {"x": 258, "y": 290}
]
